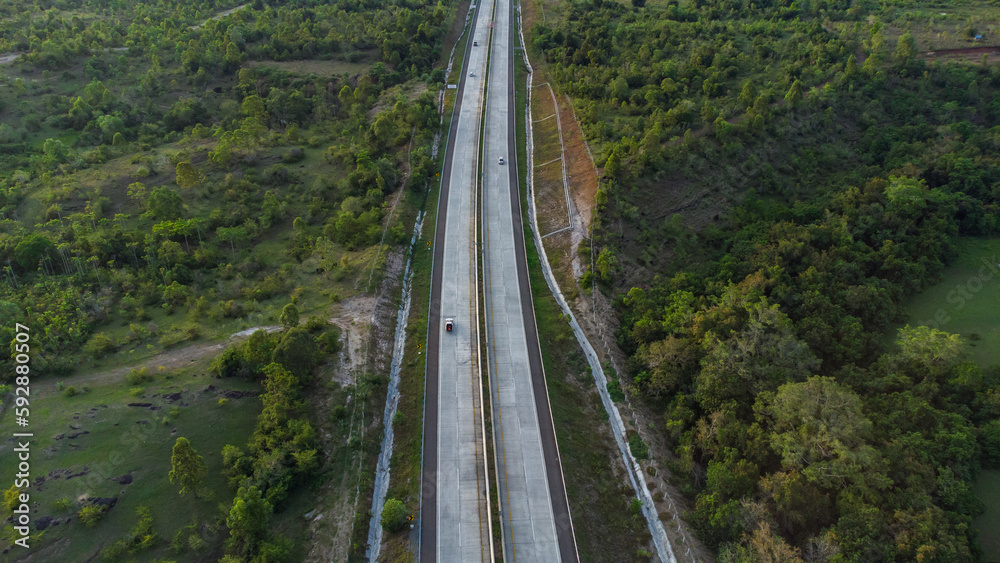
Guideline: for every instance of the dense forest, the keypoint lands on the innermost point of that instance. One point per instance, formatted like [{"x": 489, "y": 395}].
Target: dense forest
[
  {"x": 174, "y": 171},
  {"x": 777, "y": 178}
]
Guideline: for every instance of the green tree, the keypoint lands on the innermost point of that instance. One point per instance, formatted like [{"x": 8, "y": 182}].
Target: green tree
[
  {"x": 760, "y": 356},
  {"x": 931, "y": 347},
  {"x": 187, "y": 468},
  {"x": 906, "y": 50},
  {"x": 289, "y": 316},
  {"x": 794, "y": 95},
  {"x": 164, "y": 204},
  {"x": 55, "y": 150},
  {"x": 187, "y": 175},
  {"x": 258, "y": 350},
  {"x": 297, "y": 351},
  {"x": 818, "y": 428},
  {"x": 247, "y": 521},
  {"x": 851, "y": 68},
  {"x": 748, "y": 94},
  {"x": 32, "y": 250},
  {"x": 233, "y": 235}
]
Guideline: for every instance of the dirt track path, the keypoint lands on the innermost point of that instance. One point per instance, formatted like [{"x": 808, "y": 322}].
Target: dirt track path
[{"x": 171, "y": 359}]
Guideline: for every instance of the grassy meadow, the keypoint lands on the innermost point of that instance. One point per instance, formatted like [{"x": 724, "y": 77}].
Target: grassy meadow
[{"x": 966, "y": 301}]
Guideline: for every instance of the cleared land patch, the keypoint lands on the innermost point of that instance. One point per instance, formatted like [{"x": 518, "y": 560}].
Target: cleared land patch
[
  {"x": 113, "y": 440},
  {"x": 319, "y": 67},
  {"x": 966, "y": 301}
]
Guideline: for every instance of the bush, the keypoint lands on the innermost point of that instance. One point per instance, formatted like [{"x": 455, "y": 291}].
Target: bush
[
  {"x": 99, "y": 345},
  {"x": 339, "y": 412},
  {"x": 138, "y": 376},
  {"x": 393, "y": 515},
  {"x": 329, "y": 341},
  {"x": 639, "y": 448},
  {"x": 90, "y": 513},
  {"x": 316, "y": 324},
  {"x": 293, "y": 156},
  {"x": 71, "y": 391},
  {"x": 615, "y": 391}
]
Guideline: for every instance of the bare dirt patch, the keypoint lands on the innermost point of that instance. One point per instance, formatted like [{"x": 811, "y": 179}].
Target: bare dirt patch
[
  {"x": 220, "y": 15},
  {"x": 330, "y": 525},
  {"x": 579, "y": 164},
  {"x": 353, "y": 316},
  {"x": 558, "y": 248},
  {"x": 171, "y": 359}
]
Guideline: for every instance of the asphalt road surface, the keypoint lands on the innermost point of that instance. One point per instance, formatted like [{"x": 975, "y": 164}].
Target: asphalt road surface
[
  {"x": 454, "y": 511},
  {"x": 533, "y": 509}
]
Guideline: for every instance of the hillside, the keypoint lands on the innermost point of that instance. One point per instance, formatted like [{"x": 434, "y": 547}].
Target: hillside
[{"x": 777, "y": 179}]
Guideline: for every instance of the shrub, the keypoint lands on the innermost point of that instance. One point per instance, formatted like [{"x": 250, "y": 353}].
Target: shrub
[
  {"x": 316, "y": 324},
  {"x": 639, "y": 448},
  {"x": 71, "y": 391},
  {"x": 615, "y": 391},
  {"x": 90, "y": 513},
  {"x": 99, "y": 345},
  {"x": 329, "y": 341},
  {"x": 393, "y": 515},
  {"x": 138, "y": 376},
  {"x": 293, "y": 156}
]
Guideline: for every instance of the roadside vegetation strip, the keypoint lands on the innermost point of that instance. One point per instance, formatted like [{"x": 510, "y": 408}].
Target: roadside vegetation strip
[
  {"x": 634, "y": 470},
  {"x": 404, "y": 483},
  {"x": 382, "y": 471},
  {"x": 548, "y": 436},
  {"x": 605, "y": 525}
]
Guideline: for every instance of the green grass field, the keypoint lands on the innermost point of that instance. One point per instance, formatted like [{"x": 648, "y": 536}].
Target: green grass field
[
  {"x": 966, "y": 301},
  {"x": 987, "y": 489},
  {"x": 82, "y": 442}
]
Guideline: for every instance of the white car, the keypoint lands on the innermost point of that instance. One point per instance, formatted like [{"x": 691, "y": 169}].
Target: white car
[
  {"x": 501, "y": 161},
  {"x": 449, "y": 324},
  {"x": 472, "y": 74}
]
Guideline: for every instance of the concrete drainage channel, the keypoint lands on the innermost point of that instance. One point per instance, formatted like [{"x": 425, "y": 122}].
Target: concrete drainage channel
[{"x": 391, "y": 402}]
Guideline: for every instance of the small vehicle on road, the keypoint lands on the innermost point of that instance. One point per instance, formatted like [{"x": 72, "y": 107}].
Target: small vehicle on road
[
  {"x": 449, "y": 324},
  {"x": 472, "y": 74},
  {"x": 475, "y": 43},
  {"x": 501, "y": 161}
]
